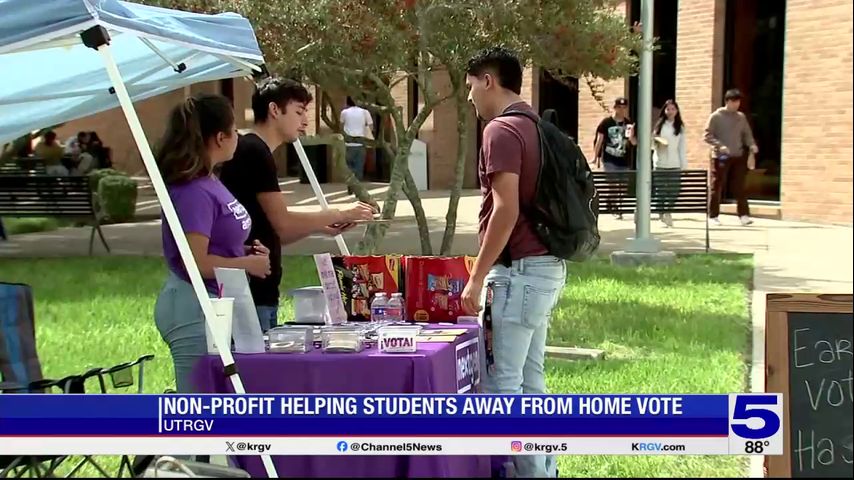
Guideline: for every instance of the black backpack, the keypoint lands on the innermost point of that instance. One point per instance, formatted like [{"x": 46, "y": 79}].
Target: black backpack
[{"x": 565, "y": 212}]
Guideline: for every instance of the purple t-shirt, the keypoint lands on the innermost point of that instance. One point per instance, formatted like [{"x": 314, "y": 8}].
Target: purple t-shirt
[{"x": 206, "y": 207}]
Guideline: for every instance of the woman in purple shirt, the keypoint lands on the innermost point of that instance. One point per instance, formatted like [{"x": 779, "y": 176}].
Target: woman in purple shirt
[{"x": 199, "y": 136}]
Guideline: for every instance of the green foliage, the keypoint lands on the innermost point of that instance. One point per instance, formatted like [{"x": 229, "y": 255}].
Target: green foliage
[
  {"x": 95, "y": 176},
  {"x": 117, "y": 198}
]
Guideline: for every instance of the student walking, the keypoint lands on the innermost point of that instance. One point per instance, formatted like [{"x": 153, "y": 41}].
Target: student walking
[
  {"x": 669, "y": 156},
  {"x": 731, "y": 140}
]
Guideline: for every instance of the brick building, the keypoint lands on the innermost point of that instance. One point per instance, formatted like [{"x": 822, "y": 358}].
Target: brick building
[{"x": 791, "y": 58}]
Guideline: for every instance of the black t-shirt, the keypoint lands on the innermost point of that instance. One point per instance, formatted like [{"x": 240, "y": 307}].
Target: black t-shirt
[
  {"x": 250, "y": 172},
  {"x": 616, "y": 145}
]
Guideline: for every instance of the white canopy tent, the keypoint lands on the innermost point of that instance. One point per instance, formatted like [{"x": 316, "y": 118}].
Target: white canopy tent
[{"x": 50, "y": 74}]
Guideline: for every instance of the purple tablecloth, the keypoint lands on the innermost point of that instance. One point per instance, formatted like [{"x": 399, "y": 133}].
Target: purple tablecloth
[{"x": 432, "y": 369}]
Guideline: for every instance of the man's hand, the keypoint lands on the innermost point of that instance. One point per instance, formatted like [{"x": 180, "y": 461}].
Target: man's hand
[
  {"x": 754, "y": 149},
  {"x": 471, "y": 296},
  {"x": 723, "y": 149},
  {"x": 338, "y": 229},
  {"x": 257, "y": 248},
  {"x": 359, "y": 211}
]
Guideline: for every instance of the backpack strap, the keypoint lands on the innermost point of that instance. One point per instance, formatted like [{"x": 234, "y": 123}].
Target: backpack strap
[
  {"x": 520, "y": 113},
  {"x": 505, "y": 258}
]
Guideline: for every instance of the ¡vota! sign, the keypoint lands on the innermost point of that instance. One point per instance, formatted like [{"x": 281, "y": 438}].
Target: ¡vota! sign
[
  {"x": 398, "y": 342},
  {"x": 468, "y": 366}
]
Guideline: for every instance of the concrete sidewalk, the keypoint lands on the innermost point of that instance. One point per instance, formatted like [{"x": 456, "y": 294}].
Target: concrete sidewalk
[{"x": 143, "y": 238}]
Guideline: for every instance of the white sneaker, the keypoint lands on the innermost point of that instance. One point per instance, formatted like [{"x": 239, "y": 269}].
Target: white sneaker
[
  {"x": 667, "y": 220},
  {"x": 745, "y": 220},
  {"x": 715, "y": 222}
]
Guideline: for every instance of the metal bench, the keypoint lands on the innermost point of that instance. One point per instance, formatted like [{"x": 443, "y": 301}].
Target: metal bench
[
  {"x": 50, "y": 196},
  {"x": 23, "y": 166},
  {"x": 673, "y": 191}
]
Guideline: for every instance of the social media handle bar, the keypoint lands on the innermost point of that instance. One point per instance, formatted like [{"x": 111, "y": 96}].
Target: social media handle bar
[
  {"x": 756, "y": 424},
  {"x": 530, "y": 446}
]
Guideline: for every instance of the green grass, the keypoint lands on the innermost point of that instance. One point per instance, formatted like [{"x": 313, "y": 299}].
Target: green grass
[
  {"x": 14, "y": 225},
  {"x": 676, "y": 329}
]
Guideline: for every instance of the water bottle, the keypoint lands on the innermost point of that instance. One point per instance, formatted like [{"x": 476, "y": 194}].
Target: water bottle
[
  {"x": 378, "y": 308},
  {"x": 394, "y": 310}
]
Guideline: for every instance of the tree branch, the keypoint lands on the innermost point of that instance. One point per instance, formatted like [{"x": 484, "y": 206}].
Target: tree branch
[
  {"x": 400, "y": 79},
  {"x": 335, "y": 122}
]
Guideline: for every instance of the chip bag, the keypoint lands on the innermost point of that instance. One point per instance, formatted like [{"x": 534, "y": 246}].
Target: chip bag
[
  {"x": 434, "y": 287},
  {"x": 360, "y": 277}
]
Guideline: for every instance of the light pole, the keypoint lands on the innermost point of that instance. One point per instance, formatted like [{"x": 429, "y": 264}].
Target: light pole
[{"x": 643, "y": 241}]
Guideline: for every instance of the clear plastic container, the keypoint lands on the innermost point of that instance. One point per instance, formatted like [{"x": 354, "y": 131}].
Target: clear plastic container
[
  {"x": 342, "y": 339},
  {"x": 309, "y": 306},
  {"x": 394, "y": 309},
  {"x": 378, "y": 308},
  {"x": 291, "y": 339}
]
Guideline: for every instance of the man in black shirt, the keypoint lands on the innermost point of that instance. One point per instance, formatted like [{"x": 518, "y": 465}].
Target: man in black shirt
[
  {"x": 280, "y": 108},
  {"x": 613, "y": 136}
]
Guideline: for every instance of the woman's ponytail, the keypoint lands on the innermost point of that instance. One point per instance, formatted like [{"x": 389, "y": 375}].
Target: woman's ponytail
[{"x": 182, "y": 154}]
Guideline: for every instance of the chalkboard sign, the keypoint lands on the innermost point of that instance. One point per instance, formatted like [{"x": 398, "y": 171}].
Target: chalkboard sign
[{"x": 809, "y": 349}]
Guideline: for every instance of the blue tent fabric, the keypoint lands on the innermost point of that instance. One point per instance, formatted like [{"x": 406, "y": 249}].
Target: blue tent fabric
[{"x": 48, "y": 76}]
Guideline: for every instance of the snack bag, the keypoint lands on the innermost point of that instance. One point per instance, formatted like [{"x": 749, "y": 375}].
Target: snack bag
[
  {"x": 361, "y": 277},
  {"x": 434, "y": 286}
]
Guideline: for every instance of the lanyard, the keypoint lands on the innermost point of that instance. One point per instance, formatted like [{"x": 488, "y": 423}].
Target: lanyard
[{"x": 487, "y": 329}]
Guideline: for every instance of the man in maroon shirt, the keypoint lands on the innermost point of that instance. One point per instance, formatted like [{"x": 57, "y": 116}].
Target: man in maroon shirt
[{"x": 525, "y": 280}]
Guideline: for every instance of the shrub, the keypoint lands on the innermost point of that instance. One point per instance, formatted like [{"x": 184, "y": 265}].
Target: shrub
[
  {"x": 95, "y": 176},
  {"x": 117, "y": 198}
]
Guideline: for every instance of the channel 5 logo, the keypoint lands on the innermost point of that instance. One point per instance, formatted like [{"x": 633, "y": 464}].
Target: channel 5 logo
[{"x": 755, "y": 417}]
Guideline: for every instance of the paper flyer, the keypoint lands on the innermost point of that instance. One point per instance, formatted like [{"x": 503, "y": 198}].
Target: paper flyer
[
  {"x": 331, "y": 290},
  {"x": 246, "y": 329}
]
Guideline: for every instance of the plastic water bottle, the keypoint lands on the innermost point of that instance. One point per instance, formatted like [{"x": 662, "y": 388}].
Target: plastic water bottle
[
  {"x": 394, "y": 310},
  {"x": 378, "y": 308}
]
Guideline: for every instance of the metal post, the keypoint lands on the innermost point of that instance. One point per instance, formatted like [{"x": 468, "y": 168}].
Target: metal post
[
  {"x": 174, "y": 222},
  {"x": 643, "y": 241},
  {"x": 318, "y": 192}
]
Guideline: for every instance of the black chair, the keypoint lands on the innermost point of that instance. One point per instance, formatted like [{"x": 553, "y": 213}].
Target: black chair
[{"x": 20, "y": 372}]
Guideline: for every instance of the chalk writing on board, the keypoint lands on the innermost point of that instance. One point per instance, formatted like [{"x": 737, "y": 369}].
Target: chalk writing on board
[
  {"x": 821, "y": 394},
  {"x": 813, "y": 451},
  {"x": 808, "y": 351}
]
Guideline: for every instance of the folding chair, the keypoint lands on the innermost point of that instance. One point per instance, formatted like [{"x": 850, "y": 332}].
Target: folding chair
[{"x": 20, "y": 372}]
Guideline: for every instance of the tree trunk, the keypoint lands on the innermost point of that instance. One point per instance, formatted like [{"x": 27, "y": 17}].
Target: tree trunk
[
  {"x": 374, "y": 233},
  {"x": 459, "y": 170},
  {"x": 411, "y": 191}
]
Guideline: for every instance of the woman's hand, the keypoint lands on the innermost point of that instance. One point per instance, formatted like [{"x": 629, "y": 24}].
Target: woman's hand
[{"x": 258, "y": 265}]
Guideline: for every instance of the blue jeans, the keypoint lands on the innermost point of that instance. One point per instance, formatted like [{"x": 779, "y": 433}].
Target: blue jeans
[
  {"x": 524, "y": 296},
  {"x": 181, "y": 323},
  {"x": 665, "y": 188},
  {"x": 268, "y": 316},
  {"x": 355, "y": 157},
  {"x": 622, "y": 188}
]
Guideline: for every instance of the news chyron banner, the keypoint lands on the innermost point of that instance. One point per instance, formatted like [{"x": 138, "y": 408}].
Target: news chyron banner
[{"x": 472, "y": 424}]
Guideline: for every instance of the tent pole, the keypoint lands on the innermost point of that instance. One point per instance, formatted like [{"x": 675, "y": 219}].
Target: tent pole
[
  {"x": 172, "y": 217},
  {"x": 315, "y": 185}
]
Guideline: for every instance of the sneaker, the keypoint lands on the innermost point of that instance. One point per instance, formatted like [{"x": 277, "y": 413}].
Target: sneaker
[
  {"x": 715, "y": 222},
  {"x": 745, "y": 220},
  {"x": 667, "y": 220},
  {"x": 618, "y": 216}
]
